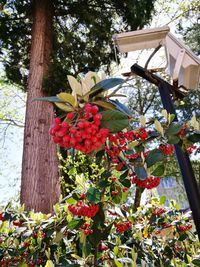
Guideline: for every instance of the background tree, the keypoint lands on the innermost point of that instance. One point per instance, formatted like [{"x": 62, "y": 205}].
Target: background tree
[{"x": 66, "y": 37}]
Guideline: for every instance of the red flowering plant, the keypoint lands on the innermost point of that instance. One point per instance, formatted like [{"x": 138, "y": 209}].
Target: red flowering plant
[{"x": 96, "y": 218}]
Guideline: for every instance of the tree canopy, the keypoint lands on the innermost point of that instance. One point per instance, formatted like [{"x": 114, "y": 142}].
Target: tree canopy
[{"x": 82, "y": 37}]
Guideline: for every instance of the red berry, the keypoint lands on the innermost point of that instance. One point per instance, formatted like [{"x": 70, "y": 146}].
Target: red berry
[
  {"x": 65, "y": 124},
  {"x": 57, "y": 120},
  {"x": 17, "y": 223},
  {"x": 97, "y": 117},
  {"x": 94, "y": 110},
  {"x": 81, "y": 124},
  {"x": 70, "y": 116},
  {"x": 2, "y": 217}
]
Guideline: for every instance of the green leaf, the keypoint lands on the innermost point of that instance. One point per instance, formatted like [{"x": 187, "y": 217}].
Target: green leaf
[
  {"x": 195, "y": 137},
  {"x": 173, "y": 139},
  {"x": 104, "y": 86},
  {"x": 162, "y": 200},
  {"x": 75, "y": 224},
  {"x": 99, "y": 156},
  {"x": 64, "y": 107},
  {"x": 121, "y": 107},
  {"x": 123, "y": 175},
  {"x": 99, "y": 219},
  {"x": 196, "y": 262},
  {"x": 159, "y": 170},
  {"x": 104, "y": 104},
  {"x": 141, "y": 172},
  {"x": 183, "y": 237},
  {"x": 49, "y": 99},
  {"x": 154, "y": 156},
  {"x": 67, "y": 98},
  {"x": 103, "y": 183},
  {"x": 93, "y": 195},
  {"x": 174, "y": 128},
  {"x": 125, "y": 182},
  {"x": 117, "y": 263},
  {"x": 106, "y": 174},
  {"x": 114, "y": 120},
  {"x": 171, "y": 118},
  {"x": 123, "y": 179}
]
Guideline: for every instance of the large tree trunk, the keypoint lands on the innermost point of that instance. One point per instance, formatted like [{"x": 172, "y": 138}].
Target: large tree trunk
[{"x": 40, "y": 181}]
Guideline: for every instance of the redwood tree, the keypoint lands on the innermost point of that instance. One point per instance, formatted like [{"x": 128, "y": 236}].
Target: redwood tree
[{"x": 39, "y": 169}]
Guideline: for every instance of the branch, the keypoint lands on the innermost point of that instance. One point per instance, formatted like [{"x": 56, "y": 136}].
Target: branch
[
  {"x": 151, "y": 101},
  {"x": 11, "y": 122}
]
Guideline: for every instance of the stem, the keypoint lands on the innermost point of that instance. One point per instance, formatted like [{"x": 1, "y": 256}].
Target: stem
[
  {"x": 138, "y": 194},
  {"x": 95, "y": 257}
]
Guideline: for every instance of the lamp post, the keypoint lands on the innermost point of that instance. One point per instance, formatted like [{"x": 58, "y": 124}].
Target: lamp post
[{"x": 184, "y": 68}]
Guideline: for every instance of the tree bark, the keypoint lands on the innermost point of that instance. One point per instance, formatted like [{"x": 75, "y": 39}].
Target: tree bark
[{"x": 40, "y": 180}]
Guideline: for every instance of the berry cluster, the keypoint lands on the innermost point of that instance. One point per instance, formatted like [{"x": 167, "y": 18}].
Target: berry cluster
[
  {"x": 182, "y": 132},
  {"x": 102, "y": 247},
  {"x": 148, "y": 183},
  {"x": 81, "y": 209},
  {"x": 118, "y": 190},
  {"x": 123, "y": 226},
  {"x": 17, "y": 223},
  {"x": 2, "y": 217},
  {"x": 184, "y": 227},
  {"x": 158, "y": 211},
  {"x": 166, "y": 149},
  {"x": 86, "y": 228},
  {"x": 191, "y": 148},
  {"x": 80, "y": 131},
  {"x": 119, "y": 141},
  {"x": 15, "y": 261}
]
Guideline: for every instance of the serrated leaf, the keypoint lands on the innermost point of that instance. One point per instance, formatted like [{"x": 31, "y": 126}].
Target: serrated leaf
[
  {"x": 114, "y": 120},
  {"x": 67, "y": 98},
  {"x": 64, "y": 107},
  {"x": 103, "y": 86},
  {"x": 153, "y": 157},
  {"x": 159, "y": 170},
  {"x": 93, "y": 195}
]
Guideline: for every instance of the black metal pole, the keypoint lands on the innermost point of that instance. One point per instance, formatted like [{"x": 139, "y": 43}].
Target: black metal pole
[{"x": 185, "y": 165}]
